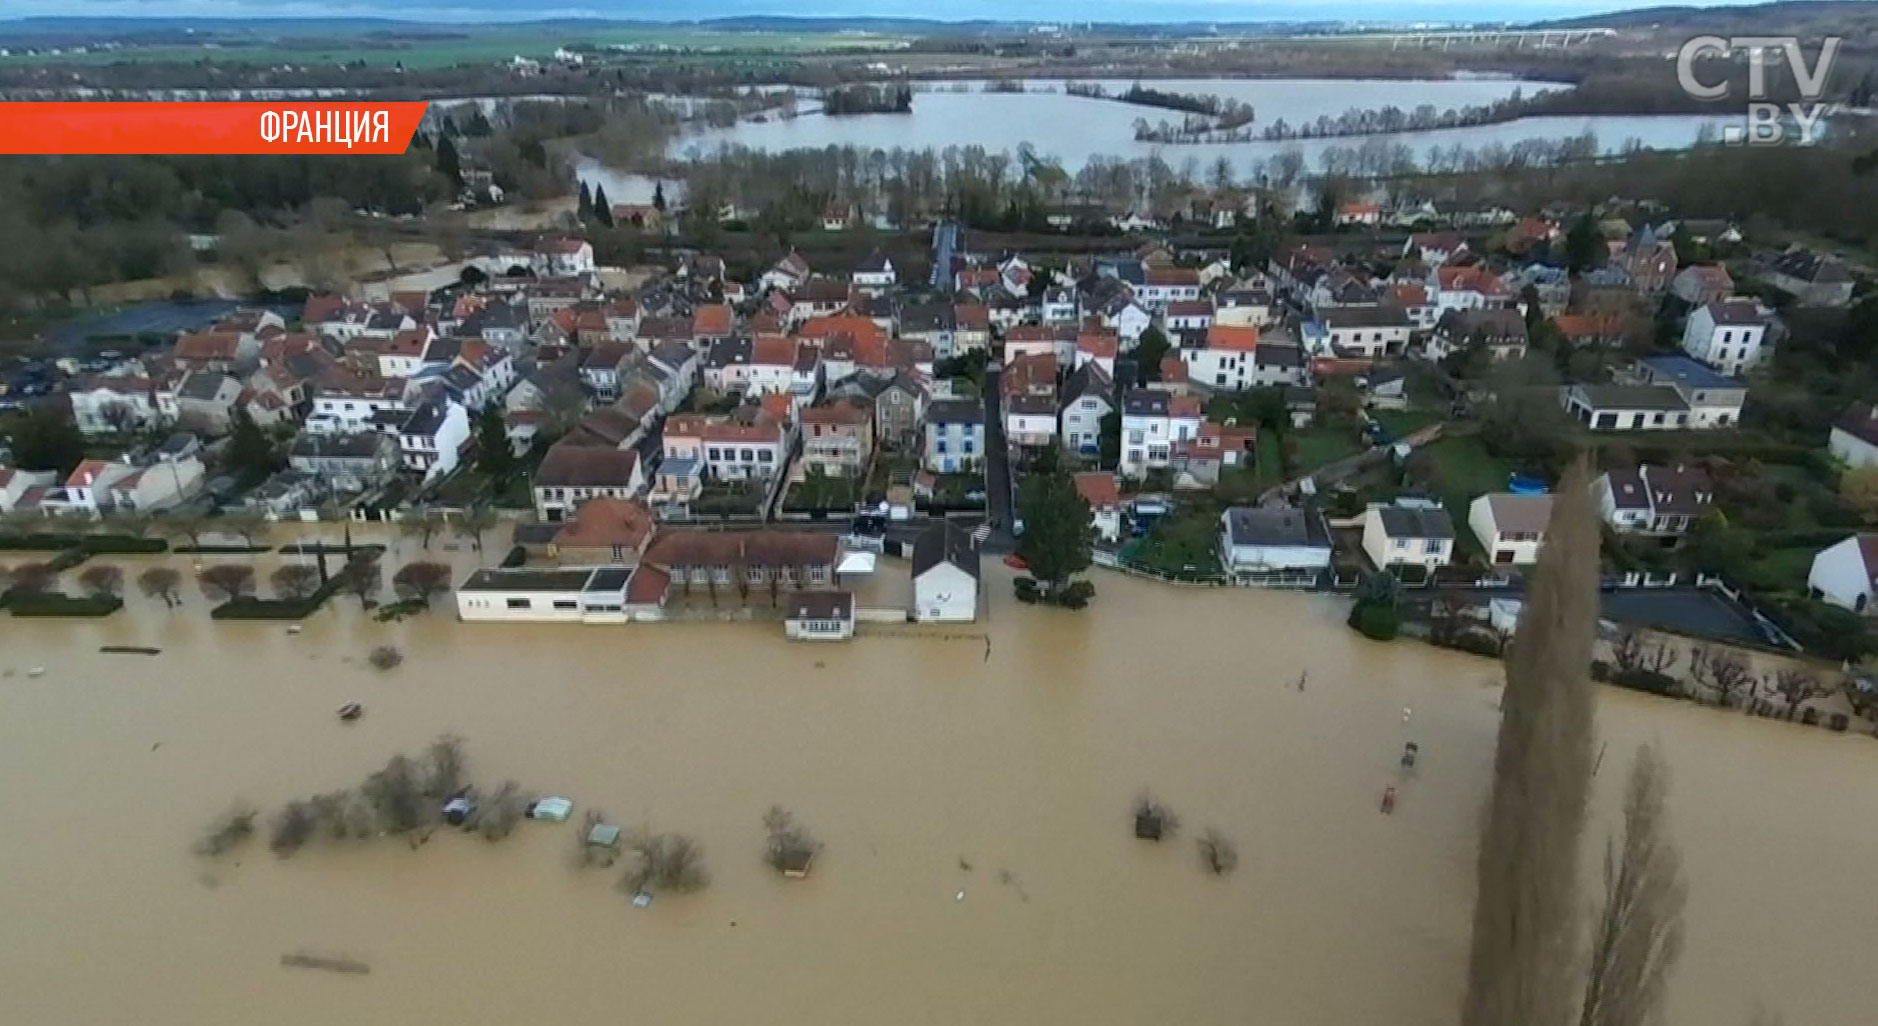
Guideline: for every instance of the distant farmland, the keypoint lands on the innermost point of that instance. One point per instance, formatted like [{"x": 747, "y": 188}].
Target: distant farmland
[{"x": 469, "y": 46}]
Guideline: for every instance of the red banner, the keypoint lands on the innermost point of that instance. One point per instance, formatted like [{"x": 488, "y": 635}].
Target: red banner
[{"x": 287, "y": 127}]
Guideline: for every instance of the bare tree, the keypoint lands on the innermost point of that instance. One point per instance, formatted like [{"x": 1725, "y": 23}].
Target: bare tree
[
  {"x": 396, "y": 795},
  {"x": 161, "y": 582},
  {"x": 1526, "y": 912},
  {"x": 1632, "y": 652},
  {"x": 443, "y": 766},
  {"x": 421, "y": 582},
  {"x": 102, "y": 580},
  {"x": 246, "y": 526},
  {"x": 385, "y": 657},
  {"x": 1797, "y": 685},
  {"x": 665, "y": 862},
  {"x": 33, "y": 578},
  {"x": 364, "y": 576},
  {"x": 295, "y": 581},
  {"x": 293, "y": 827},
  {"x": 475, "y": 523},
  {"x": 225, "y": 582},
  {"x": 183, "y": 526},
  {"x": 790, "y": 847},
  {"x": 497, "y": 815},
  {"x": 1729, "y": 676},
  {"x": 1217, "y": 853},
  {"x": 229, "y": 829},
  {"x": 1639, "y": 930},
  {"x": 419, "y": 523}
]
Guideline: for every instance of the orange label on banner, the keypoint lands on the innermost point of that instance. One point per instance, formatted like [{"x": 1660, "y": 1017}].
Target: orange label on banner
[{"x": 287, "y": 127}]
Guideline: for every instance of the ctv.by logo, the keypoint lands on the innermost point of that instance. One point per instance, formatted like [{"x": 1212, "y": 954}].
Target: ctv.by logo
[{"x": 1766, "y": 121}]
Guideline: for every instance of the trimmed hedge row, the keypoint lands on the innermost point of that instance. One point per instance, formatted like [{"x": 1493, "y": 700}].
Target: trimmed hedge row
[
  {"x": 247, "y": 607},
  {"x": 227, "y": 550},
  {"x": 52, "y": 603},
  {"x": 93, "y": 544}
]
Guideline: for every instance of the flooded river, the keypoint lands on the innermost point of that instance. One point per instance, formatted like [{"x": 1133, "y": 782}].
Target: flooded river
[{"x": 911, "y": 759}]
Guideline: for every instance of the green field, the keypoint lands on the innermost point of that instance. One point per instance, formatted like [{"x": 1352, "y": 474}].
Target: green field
[{"x": 472, "y": 46}]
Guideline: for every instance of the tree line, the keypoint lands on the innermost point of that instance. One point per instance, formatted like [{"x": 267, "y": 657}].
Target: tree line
[{"x": 868, "y": 99}]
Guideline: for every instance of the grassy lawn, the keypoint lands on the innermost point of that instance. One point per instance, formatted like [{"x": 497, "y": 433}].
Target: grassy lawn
[
  {"x": 823, "y": 491},
  {"x": 1402, "y": 423},
  {"x": 1185, "y": 541},
  {"x": 1781, "y": 569},
  {"x": 1322, "y": 444}
]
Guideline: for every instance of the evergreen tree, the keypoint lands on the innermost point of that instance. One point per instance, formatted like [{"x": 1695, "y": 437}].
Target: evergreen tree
[
  {"x": 585, "y": 209},
  {"x": 1584, "y": 245},
  {"x": 658, "y": 196},
  {"x": 45, "y": 439},
  {"x": 1057, "y": 542},
  {"x": 602, "y": 207},
  {"x": 479, "y": 125},
  {"x": 494, "y": 457},
  {"x": 1149, "y": 353},
  {"x": 250, "y": 454},
  {"x": 448, "y": 164}
]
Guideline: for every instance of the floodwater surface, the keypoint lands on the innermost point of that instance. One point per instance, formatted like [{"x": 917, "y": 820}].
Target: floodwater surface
[{"x": 928, "y": 767}]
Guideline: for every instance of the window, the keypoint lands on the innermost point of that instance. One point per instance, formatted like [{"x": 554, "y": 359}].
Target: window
[
  {"x": 755, "y": 575},
  {"x": 749, "y": 455},
  {"x": 566, "y": 604},
  {"x": 1134, "y": 437},
  {"x": 1088, "y": 404},
  {"x": 714, "y": 453},
  {"x": 764, "y": 456},
  {"x": 520, "y": 603},
  {"x": 1400, "y": 543},
  {"x": 939, "y": 446},
  {"x": 818, "y": 574},
  {"x": 967, "y": 447}
]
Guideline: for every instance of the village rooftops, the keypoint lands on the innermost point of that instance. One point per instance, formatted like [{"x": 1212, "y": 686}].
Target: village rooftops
[
  {"x": 1688, "y": 373},
  {"x": 533, "y": 579},
  {"x": 1146, "y": 402},
  {"x": 1860, "y": 420},
  {"x": 584, "y": 466},
  {"x": 1232, "y": 338},
  {"x": 1415, "y": 522},
  {"x": 821, "y": 605},
  {"x": 955, "y": 411},
  {"x": 1277, "y": 526},
  {"x": 945, "y": 542},
  {"x": 1811, "y": 267},
  {"x": 1099, "y": 490},
  {"x": 1520, "y": 514},
  {"x": 1364, "y": 317},
  {"x": 1633, "y": 397},
  {"x": 1734, "y": 312}
]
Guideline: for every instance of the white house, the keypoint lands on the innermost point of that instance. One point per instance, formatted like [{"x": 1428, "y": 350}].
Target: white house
[
  {"x": 1228, "y": 360},
  {"x": 1244, "y": 305},
  {"x": 875, "y": 273},
  {"x": 945, "y": 575},
  {"x": 1161, "y": 286},
  {"x": 1511, "y": 528},
  {"x": 608, "y": 594},
  {"x": 1728, "y": 335},
  {"x": 571, "y": 474},
  {"x": 563, "y": 258},
  {"x": 819, "y": 616},
  {"x": 1099, "y": 489},
  {"x": 1030, "y": 420},
  {"x": 1627, "y": 407},
  {"x": 18, "y": 487},
  {"x": 1854, "y": 437},
  {"x": 1715, "y": 400},
  {"x": 1086, "y": 397},
  {"x": 103, "y": 406},
  {"x": 1408, "y": 534},
  {"x": 1274, "y": 545},
  {"x": 1663, "y": 502},
  {"x": 954, "y": 435},
  {"x": 1152, "y": 422},
  {"x": 1846, "y": 573},
  {"x": 1366, "y": 332}
]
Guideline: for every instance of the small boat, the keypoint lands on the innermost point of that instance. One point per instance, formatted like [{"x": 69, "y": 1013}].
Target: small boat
[
  {"x": 1409, "y": 754},
  {"x": 351, "y": 711}
]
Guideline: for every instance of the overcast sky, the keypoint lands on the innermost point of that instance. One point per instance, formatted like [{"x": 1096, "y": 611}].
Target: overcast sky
[{"x": 1138, "y": 10}]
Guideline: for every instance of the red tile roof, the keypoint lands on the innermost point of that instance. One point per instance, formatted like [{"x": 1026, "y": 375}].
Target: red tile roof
[
  {"x": 1232, "y": 338},
  {"x": 1101, "y": 345},
  {"x": 713, "y": 320},
  {"x": 600, "y": 523},
  {"x": 1099, "y": 489}
]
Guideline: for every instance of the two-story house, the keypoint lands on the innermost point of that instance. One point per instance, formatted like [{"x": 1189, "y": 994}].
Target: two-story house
[
  {"x": 571, "y": 474},
  {"x": 1408, "y": 533},
  {"x": 1153, "y": 421},
  {"x": 837, "y": 439},
  {"x": 1500, "y": 332},
  {"x": 954, "y": 435},
  {"x": 1087, "y": 396},
  {"x": 1227, "y": 359},
  {"x": 1511, "y": 528},
  {"x": 355, "y": 462},
  {"x": 1728, "y": 335},
  {"x": 1663, "y": 502},
  {"x": 1715, "y": 400}
]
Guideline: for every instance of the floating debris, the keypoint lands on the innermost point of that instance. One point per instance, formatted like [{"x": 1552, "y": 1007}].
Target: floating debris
[
  {"x": 130, "y": 650},
  {"x": 37, "y": 671},
  {"x": 351, "y": 711},
  {"x": 643, "y": 899},
  {"x": 960, "y": 896},
  {"x": 331, "y": 965},
  {"x": 293, "y": 629}
]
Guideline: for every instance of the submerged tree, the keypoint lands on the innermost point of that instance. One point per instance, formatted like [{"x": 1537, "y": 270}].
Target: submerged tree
[
  {"x": 160, "y": 582},
  {"x": 1526, "y": 910},
  {"x": 1639, "y": 930}
]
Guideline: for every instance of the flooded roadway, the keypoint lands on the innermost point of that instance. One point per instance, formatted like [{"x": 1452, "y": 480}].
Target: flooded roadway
[{"x": 909, "y": 759}]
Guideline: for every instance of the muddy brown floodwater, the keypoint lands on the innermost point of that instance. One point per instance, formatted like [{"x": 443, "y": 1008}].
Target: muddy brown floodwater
[{"x": 905, "y": 757}]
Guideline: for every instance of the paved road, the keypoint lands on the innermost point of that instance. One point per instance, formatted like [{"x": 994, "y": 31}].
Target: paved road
[{"x": 997, "y": 466}]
